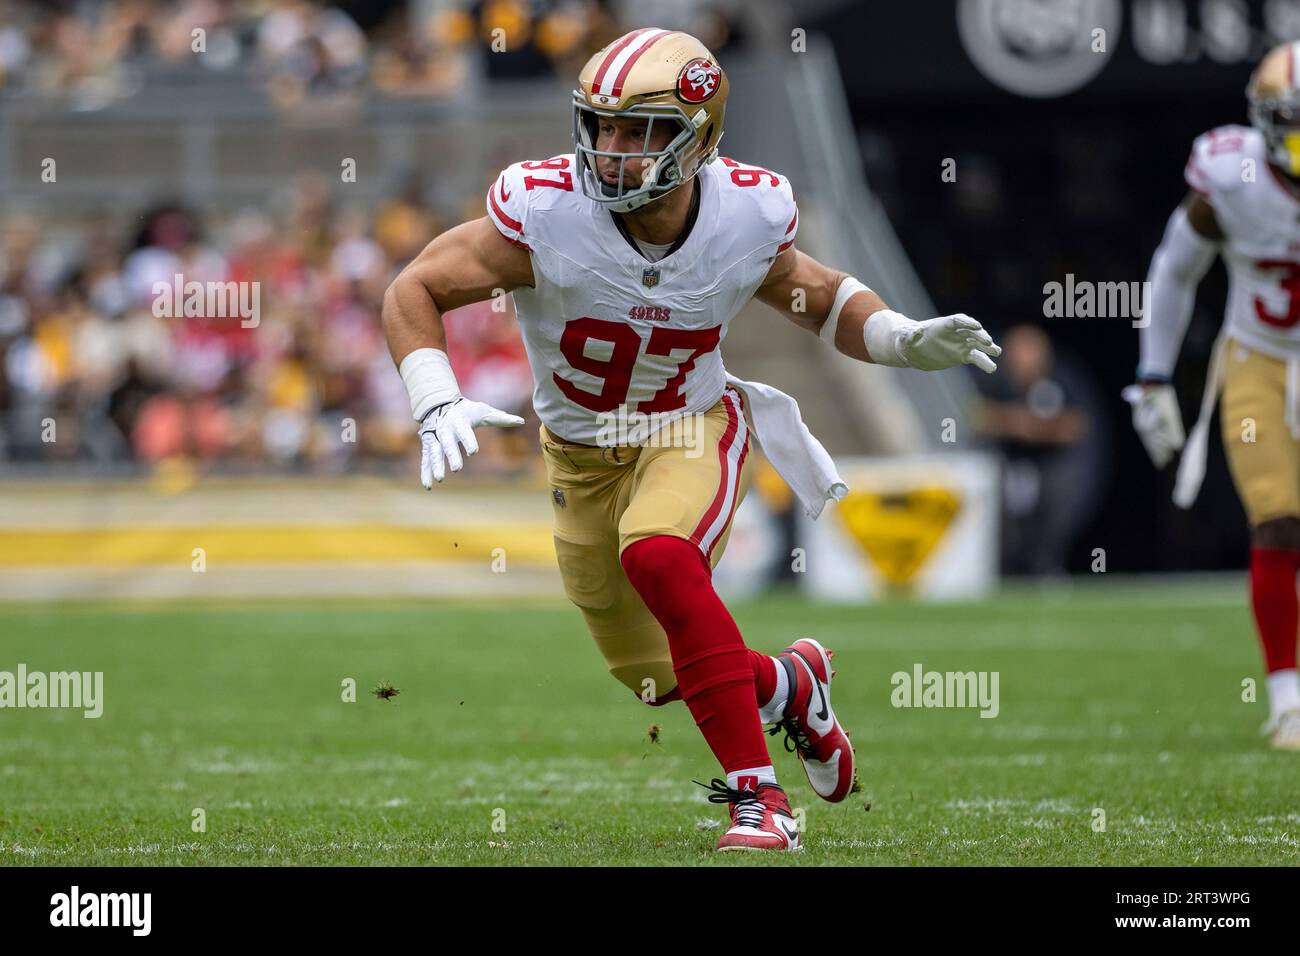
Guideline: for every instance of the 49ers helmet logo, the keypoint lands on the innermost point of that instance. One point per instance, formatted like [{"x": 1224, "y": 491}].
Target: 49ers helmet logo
[{"x": 698, "y": 80}]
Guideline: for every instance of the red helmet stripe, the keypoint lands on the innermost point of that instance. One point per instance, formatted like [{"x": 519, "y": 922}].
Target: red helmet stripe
[
  {"x": 637, "y": 53},
  {"x": 614, "y": 51}
]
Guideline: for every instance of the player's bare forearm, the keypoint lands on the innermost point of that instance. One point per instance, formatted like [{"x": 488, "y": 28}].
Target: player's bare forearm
[
  {"x": 803, "y": 290},
  {"x": 863, "y": 327},
  {"x": 467, "y": 264},
  {"x": 849, "y": 335},
  {"x": 410, "y": 317}
]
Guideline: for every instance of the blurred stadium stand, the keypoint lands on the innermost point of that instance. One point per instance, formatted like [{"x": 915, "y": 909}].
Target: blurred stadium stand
[
  {"x": 249, "y": 178},
  {"x": 227, "y": 163}
]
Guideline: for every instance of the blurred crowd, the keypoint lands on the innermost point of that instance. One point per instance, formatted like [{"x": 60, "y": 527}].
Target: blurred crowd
[
  {"x": 98, "y": 363},
  {"x": 92, "y": 365},
  {"x": 95, "y": 52}
]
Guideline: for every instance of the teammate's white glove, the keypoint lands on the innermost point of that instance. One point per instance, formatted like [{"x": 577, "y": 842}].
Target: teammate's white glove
[
  {"x": 447, "y": 418},
  {"x": 450, "y": 425},
  {"x": 932, "y": 345},
  {"x": 1157, "y": 420}
]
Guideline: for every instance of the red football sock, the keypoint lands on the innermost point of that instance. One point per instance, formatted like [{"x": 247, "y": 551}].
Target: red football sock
[
  {"x": 764, "y": 676},
  {"x": 1273, "y": 598},
  {"x": 764, "y": 682},
  {"x": 710, "y": 659}
]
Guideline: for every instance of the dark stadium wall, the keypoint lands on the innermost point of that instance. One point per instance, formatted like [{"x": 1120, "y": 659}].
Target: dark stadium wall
[{"x": 1079, "y": 183}]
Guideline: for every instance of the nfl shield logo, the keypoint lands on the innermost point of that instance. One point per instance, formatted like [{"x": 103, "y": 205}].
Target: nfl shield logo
[
  {"x": 558, "y": 495},
  {"x": 650, "y": 278}
]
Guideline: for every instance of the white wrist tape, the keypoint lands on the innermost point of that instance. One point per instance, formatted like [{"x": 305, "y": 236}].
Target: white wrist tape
[
  {"x": 848, "y": 288},
  {"x": 884, "y": 334},
  {"x": 429, "y": 380}
]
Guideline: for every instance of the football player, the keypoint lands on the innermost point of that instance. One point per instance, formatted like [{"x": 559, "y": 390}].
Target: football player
[
  {"x": 628, "y": 258},
  {"x": 1243, "y": 204}
]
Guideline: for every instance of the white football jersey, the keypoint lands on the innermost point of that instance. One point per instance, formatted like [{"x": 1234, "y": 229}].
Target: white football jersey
[
  {"x": 605, "y": 327},
  {"x": 1261, "y": 219}
]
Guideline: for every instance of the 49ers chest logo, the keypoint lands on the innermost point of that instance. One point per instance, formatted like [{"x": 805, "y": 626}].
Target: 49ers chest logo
[
  {"x": 698, "y": 80},
  {"x": 650, "y": 313}
]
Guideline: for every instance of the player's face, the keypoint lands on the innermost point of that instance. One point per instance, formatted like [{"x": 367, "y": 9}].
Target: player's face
[{"x": 625, "y": 134}]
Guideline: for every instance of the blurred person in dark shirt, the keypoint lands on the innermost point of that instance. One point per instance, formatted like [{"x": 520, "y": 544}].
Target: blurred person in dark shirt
[{"x": 1041, "y": 412}]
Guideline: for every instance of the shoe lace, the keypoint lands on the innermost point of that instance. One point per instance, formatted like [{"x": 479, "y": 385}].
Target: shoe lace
[
  {"x": 796, "y": 739},
  {"x": 746, "y": 809}
]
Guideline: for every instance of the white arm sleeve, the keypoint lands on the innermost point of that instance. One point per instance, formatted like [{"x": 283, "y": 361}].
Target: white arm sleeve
[{"x": 1180, "y": 261}]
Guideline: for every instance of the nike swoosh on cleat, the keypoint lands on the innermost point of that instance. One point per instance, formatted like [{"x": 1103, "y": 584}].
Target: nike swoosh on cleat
[
  {"x": 825, "y": 712},
  {"x": 790, "y": 835}
]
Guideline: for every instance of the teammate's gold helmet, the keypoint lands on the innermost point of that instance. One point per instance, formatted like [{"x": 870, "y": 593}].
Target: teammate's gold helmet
[
  {"x": 1274, "y": 95},
  {"x": 662, "y": 76}
]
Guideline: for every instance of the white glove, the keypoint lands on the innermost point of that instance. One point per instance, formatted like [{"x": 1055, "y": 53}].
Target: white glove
[
  {"x": 450, "y": 425},
  {"x": 1157, "y": 420},
  {"x": 932, "y": 345},
  {"x": 447, "y": 419}
]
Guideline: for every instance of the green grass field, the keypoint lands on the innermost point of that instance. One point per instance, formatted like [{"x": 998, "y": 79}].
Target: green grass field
[{"x": 1115, "y": 697}]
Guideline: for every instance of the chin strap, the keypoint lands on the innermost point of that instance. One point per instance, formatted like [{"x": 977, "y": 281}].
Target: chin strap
[{"x": 636, "y": 201}]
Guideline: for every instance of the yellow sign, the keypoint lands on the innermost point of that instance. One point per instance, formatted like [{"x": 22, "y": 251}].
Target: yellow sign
[{"x": 899, "y": 530}]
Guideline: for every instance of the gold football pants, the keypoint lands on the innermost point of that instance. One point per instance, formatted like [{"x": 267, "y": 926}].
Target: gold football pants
[
  {"x": 1262, "y": 454},
  {"x": 686, "y": 481}
]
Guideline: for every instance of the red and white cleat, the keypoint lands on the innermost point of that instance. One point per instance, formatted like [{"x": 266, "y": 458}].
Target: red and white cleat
[
  {"x": 810, "y": 725},
  {"x": 760, "y": 820}
]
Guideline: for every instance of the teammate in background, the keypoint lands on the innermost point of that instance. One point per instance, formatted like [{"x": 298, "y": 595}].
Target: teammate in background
[
  {"x": 1244, "y": 204},
  {"x": 628, "y": 258}
]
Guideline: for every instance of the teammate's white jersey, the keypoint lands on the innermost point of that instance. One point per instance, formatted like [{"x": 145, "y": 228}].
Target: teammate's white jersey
[
  {"x": 1261, "y": 219},
  {"x": 604, "y": 326}
]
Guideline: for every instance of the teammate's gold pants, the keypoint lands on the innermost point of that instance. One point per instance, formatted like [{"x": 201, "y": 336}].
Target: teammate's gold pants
[
  {"x": 606, "y": 498},
  {"x": 1263, "y": 456}
]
